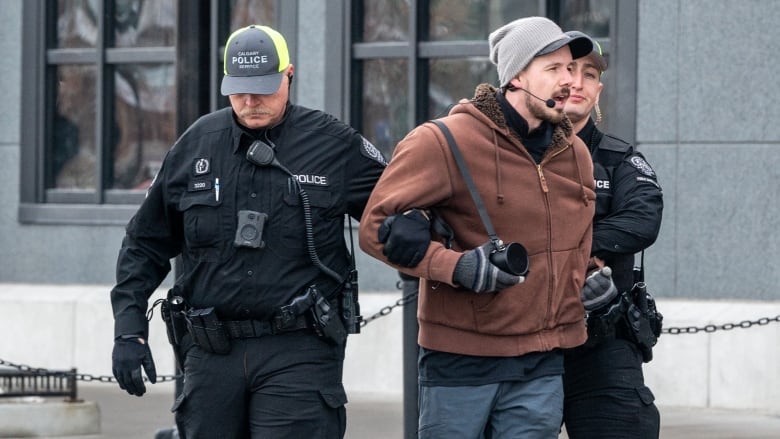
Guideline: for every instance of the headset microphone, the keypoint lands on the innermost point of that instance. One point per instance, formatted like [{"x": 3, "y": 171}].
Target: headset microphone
[{"x": 548, "y": 102}]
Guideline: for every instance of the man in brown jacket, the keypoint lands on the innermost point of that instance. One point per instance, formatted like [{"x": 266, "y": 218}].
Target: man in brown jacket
[{"x": 490, "y": 341}]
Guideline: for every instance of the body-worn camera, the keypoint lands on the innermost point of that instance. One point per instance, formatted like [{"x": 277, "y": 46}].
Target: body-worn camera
[
  {"x": 512, "y": 258},
  {"x": 249, "y": 232}
]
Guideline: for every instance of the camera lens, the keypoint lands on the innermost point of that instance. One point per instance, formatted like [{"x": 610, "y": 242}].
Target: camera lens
[
  {"x": 512, "y": 259},
  {"x": 249, "y": 233}
]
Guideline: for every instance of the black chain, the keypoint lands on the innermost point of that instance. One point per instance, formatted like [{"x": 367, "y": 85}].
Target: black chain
[
  {"x": 79, "y": 376},
  {"x": 383, "y": 312},
  {"x": 724, "y": 327},
  {"x": 672, "y": 330},
  {"x": 388, "y": 309}
]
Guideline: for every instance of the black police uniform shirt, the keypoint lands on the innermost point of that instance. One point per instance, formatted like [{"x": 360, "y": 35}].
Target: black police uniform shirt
[
  {"x": 629, "y": 203},
  {"x": 186, "y": 212}
]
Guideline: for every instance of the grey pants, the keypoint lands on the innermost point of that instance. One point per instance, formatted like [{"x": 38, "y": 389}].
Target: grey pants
[{"x": 512, "y": 409}]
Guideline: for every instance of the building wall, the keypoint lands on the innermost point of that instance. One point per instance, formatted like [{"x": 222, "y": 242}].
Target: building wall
[
  {"x": 705, "y": 119},
  {"x": 67, "y": 254},
  {"x": 39, "y": 253}
]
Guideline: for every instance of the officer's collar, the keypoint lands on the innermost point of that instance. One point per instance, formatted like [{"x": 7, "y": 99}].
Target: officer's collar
[
  {"x": 243, "y": 136},
  {"x": 590, "y": 135}
]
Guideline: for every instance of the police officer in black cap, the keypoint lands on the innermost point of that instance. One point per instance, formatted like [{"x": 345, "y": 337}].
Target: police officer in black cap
[
  {"x": 252, "y": 197},
  {"x": 605, "y": 393}
]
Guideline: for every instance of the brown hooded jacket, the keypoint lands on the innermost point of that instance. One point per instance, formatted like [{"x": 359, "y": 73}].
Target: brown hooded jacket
[{"x": 548, "y": 208}]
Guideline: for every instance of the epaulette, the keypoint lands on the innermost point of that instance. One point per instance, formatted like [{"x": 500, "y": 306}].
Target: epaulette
[{"x": 612, "y": 143}]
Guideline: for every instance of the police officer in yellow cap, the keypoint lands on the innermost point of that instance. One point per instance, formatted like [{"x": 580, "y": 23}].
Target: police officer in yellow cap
[{"x": 253, "y": 198}]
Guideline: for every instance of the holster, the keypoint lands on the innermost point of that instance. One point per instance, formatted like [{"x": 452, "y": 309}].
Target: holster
[
  {"x": 350, "y": 307},
  {"x": 173, "y": 310},
  {"x": 207, "y": 331},
  {"x": 644, "y": 320},
  {"x": 202, "y": 327},
  {"x": 631, "y": 316},
  {"x": 325, "y": 318},
  {"x": 604, "y": 323}
]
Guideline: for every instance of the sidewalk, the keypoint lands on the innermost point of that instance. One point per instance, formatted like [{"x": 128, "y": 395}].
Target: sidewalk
[{"x": 128, "y": 417}]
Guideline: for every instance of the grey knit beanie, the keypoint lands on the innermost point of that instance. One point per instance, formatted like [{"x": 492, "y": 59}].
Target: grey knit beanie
[{"x": 515, "y": 44}]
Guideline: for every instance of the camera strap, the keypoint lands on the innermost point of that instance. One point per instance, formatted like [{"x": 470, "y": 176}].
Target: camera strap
[{"x": 464, "y": 170}]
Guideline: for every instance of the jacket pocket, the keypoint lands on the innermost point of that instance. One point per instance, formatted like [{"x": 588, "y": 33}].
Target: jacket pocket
[
  {"x": 317, "y": 197},
  {"x": 178, "y": 403},
  {"x": 645, "y": 395},
  {"x": 293, "y": 225},
  {"x": 201, "y": 219},
  {"x": 334, "y": 396}
]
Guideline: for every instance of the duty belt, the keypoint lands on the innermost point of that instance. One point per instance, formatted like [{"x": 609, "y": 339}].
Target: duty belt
[{"x": 259, "y": 328}]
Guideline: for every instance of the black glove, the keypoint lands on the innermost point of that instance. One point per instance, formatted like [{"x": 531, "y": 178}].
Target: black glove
[
  {"x": 406, "y": 237},
  {"x": 475, "y": 272},
  {"x": 130, "y": 353},
  {"x": 599, "y": 289}
]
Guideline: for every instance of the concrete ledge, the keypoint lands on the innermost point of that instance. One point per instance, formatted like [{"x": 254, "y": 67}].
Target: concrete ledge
[
  {"x": 725, "y": 369},
  {"x": 68, "y": 326},
  {"x": 39, "y": 417}
]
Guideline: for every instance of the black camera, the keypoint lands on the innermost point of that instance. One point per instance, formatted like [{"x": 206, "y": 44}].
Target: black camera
[
  {"x": 512, "y": 258},
  {"x": 249, "y": 232}
]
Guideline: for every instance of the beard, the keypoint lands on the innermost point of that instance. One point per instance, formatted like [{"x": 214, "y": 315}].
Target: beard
[{"x": 541, "y": 111}]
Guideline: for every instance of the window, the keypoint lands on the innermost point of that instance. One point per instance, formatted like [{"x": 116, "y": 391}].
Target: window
[
  {"x": 110, "y": 99},
  {"x": 412, "y": 60},
  {"x": 102, "y": 99}
]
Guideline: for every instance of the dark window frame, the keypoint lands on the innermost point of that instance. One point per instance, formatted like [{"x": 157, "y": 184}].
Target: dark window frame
[
  {"x": 201, "y": 88},
  {"x": 57, "y": 206},
  {"x": 619, "y": 90},
  {"x": 197, "y": 59}
]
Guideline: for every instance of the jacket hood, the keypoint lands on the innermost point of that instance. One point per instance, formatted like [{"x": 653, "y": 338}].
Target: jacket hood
[
  {"x": 485, "y": 106},
  {"x": 485, "y": 102}
]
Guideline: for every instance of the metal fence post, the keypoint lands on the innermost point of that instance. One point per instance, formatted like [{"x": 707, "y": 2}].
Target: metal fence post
[{"x": 410, "y": 350}]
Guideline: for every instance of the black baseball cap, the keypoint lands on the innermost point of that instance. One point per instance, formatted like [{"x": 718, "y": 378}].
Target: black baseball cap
[{"x": 595, "y": 55}]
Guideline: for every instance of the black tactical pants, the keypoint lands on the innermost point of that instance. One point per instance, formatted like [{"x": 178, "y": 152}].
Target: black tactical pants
[
  {"x": 605, "y": 395},
  {"x": 277, "y": 386}
]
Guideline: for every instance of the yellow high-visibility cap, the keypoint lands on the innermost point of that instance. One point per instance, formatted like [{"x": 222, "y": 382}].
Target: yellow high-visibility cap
[{"x": 255, "y": 58}]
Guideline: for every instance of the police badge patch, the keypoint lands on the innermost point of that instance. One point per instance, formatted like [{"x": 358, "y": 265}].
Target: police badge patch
[
  {"x": 641, "y": 165},
  {"x": 371, "y": 151},
  {"x": 201, "y": 166}
]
